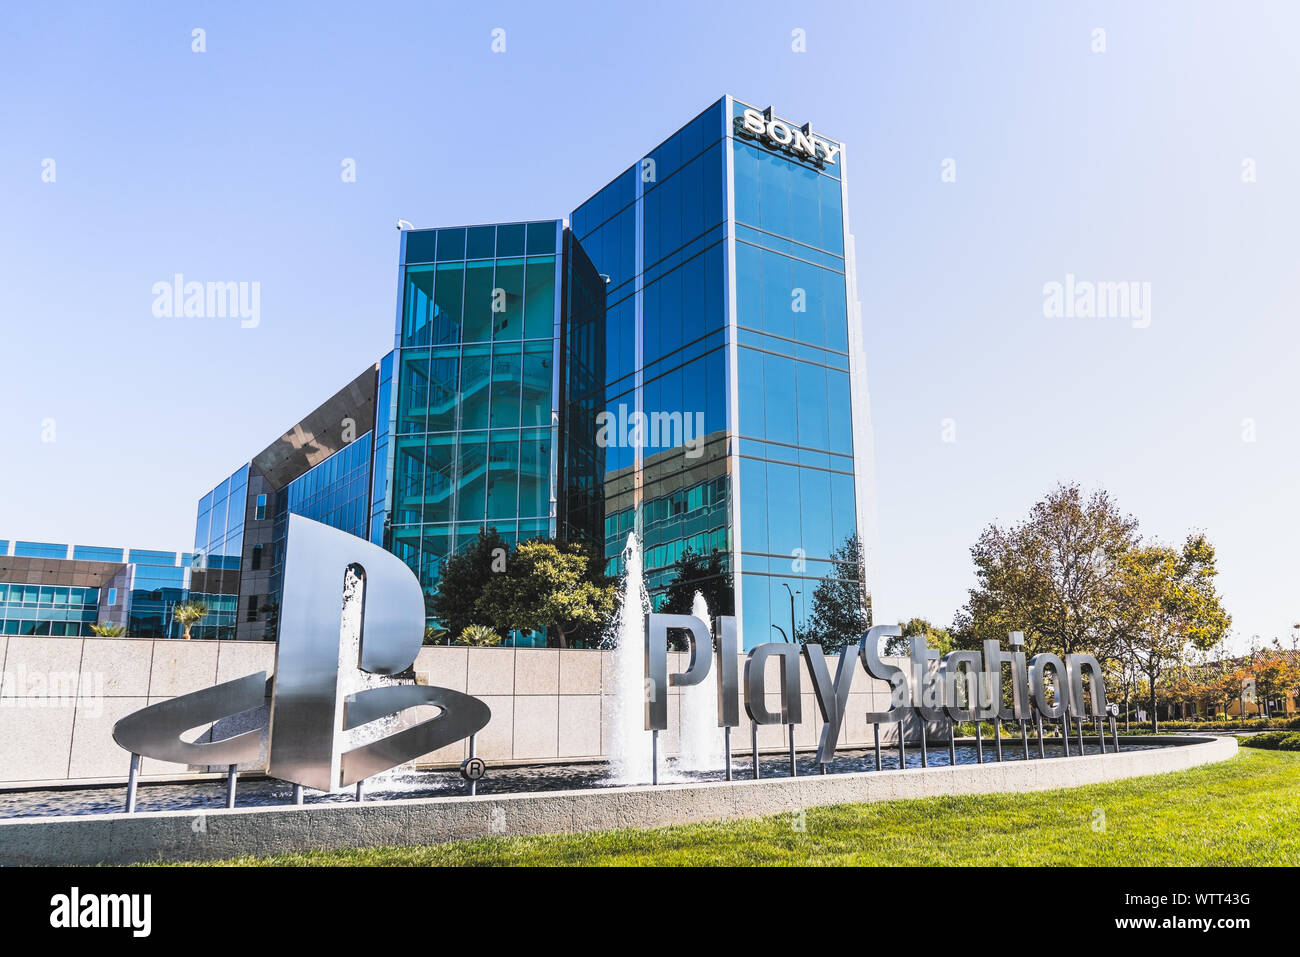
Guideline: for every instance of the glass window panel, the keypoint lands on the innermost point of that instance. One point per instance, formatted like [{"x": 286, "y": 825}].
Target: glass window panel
[
  {"x": 508, "y": 300},
  {"x": 534, "y": 476},
  {"x": 536, "y": 400},
  {"x": 444, "y": 369},
  {"x": 440, "y": 461},
  {"x": 757, "y": 611},
  {"x": 475, "y": 387},
  {"x": 408, "y": 479},
  {"x": 510, "y": 240},
  {"x": 809, "y": 307},
  {"x": 843, "y": 508},
  {"x": 753, "y": 505},
  {"x": 804, "y": 211},
  {"x": 539, "y": 305},
  {"x": 783, "y": 525},
  {"x": 420, "y": 245},
  {"x": 541, "y": 238},
  {"x": 448, "y": 297},
  {"x": 481, "y": 242},
  {"x": 837, "y": 316},
  {"x": 815, "y": 515},
  {"x": 779, "y": 399},
  {"x": 832, "y": 221},
  {"x": 478, "y": 302},
  {"x": 778, "y": 299},
  {"x": 471, "y": 478},
  {"x": 810, "y": 406},
  {"x": 506, "y": 372},
  {"x": 417, "y": 314},
  {"x": 503, "y": 475},
  {"x": 839, "y": 411},
  {"x": 413, "y": 396},
  {"x": 774, "y": 194},
  {"x": 451, "y": 244}
]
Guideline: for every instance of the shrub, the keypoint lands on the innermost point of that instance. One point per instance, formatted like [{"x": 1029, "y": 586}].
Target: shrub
[
  {"x": 479, "y": 636},
  {"x": 1274, "y": 741}
]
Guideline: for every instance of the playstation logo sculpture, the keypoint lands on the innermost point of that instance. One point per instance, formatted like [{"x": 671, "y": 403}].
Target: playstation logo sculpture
[{"x": 349, "y": 610}]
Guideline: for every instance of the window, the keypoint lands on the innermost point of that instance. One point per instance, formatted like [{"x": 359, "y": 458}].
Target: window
[
  {"x": 259, "y": 514},
  {"x": 112, "y": 596},
  {"x": 252, "y": 608},
  {"x": 257, "y": 557}
]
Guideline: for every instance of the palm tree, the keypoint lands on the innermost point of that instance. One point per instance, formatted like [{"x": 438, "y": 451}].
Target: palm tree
[
  {"x": 188, "y": 613},
  {"x": 106, "y": 629}
]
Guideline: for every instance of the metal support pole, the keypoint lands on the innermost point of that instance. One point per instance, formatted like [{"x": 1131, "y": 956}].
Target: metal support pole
[
  {"x": 1101, "y": 733},
  {"x": 359, "y": 796},
  {"x": 753, "y": 733},
  {"x": 1114, "y": 733},
  {"x": 876, "y": 728},
  {"x": 473, "y": 784},
  {"x": 952, "y": 743},
  {"x": 654, "y": 757},
  {"x": 925, "y": 746},
  {"x": 1042, "y": 751},
  {"x": 1024, "y": 739},
  {"x": 794, "y": 768},
  {"x": 131, "y": 783},
  {"x": 822, "y": 765},
  {"x": 979, "y": 743},
  {"x": 902, "y": 746},
  {"x": 726, "y": 745},
  {"x": 1065, "y": 734},
  {"x": 297, "y": 794},
  {"x": 232, "y": 773},
  {"x": 997, "y": 736},
  {"x": 1078, "y": 725}
]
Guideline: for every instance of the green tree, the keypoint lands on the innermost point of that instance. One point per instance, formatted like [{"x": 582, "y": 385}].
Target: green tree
[
  {"x": 707, "y": 574},
  {"x": 107, "y": 629},
  {"x": 841, "y": 605},
  {"x": 938, "y": 638},
  {"x": 462, "y": 578},
  {"x": 549, "y": 586},
  {"x": 1050, "y": 576},
  {"x": 1167, "y": 602},
  {"x": 189, "y": 613}
]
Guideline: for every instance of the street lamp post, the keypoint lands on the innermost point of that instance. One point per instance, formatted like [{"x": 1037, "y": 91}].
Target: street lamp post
[{"x": 792, "y": 594}]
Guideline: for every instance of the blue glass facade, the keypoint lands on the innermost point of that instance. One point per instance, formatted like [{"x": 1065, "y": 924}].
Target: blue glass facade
[
  {"x": 474, "y": 418},
  {"x": 684, "y": 360},
  {"x": 56, "y": 590},
  {"x": 729, "y": 301}
]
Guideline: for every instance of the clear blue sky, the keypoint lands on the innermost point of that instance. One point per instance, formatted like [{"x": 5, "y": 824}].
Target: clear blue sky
[{"x": 1122, "y": 165}]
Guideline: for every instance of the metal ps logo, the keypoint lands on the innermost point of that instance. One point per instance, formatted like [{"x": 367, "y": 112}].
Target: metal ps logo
[{"x": 349, "y": 610}]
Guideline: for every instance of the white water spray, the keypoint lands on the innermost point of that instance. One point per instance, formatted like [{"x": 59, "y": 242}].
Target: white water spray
[
  {"x": 701, "y": 738},
  {"x": 629, "y": 744}
]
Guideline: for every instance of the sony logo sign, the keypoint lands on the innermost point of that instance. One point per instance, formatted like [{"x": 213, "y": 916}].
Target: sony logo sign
[{"x": 796, "y": 140}]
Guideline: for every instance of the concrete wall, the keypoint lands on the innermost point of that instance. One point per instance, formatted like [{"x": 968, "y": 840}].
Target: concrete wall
[
  {"x": 172, "y": 835},
  {"x": 59, "y": 699}
]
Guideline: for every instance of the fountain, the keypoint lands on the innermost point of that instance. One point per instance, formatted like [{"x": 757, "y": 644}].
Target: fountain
[
  {"x": 629, "y": 743},
  {"x": 701, "y": 738}
]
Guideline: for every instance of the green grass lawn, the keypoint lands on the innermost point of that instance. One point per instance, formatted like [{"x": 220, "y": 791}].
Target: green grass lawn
[{"x": 1245, "y": 811}]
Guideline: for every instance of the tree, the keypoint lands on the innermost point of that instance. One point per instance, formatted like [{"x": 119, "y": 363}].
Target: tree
[
  {"x": 1050, "y": 576},
  {"x": 1273, "y": 674},
  {"x": 462, "y": 577},
  {"x": 1168, "y": 601},
  {"x": 550, "y": 586},
  {"x": 107, "y": 629},
  {"x": 841, "y": 605},
  {"x": 479, "y": 636},
  {"x": 938, "y": 638},
  {"x": 188, "y": 613},
  {"x": 707, "y": 574}
]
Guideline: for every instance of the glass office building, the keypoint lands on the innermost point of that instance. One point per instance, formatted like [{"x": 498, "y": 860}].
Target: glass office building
[
  {"x": 683, "y": 360},
  {"x": 731, "y": 301},
  {"x": 56, "y": 590}
]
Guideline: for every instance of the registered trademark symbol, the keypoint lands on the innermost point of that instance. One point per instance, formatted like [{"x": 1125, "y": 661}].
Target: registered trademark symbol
[{"x": 473, "y": 769}]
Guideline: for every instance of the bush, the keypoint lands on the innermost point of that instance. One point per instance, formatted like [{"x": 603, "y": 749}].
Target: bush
[
  {"x": 1273, "y": 741},
  {"x": 479, "y": 636}
]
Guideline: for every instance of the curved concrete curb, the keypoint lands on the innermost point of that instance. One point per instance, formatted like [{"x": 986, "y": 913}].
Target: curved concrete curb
[{"x": 218, "y": 834}]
